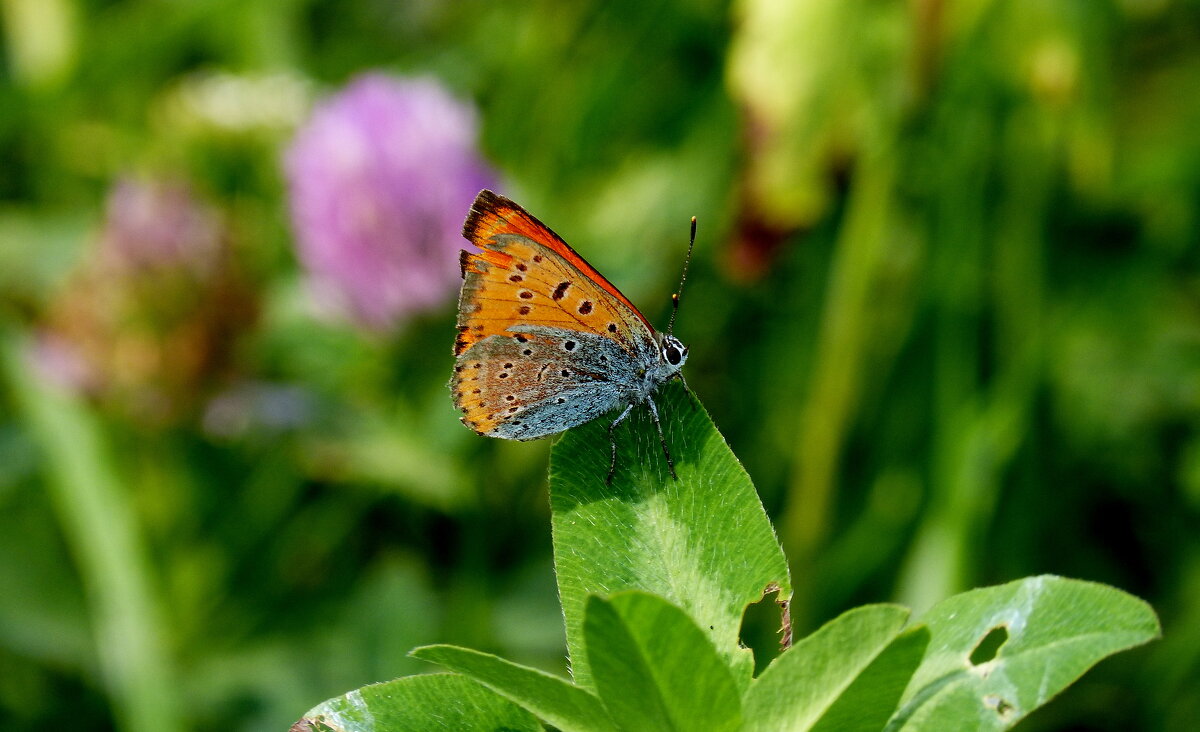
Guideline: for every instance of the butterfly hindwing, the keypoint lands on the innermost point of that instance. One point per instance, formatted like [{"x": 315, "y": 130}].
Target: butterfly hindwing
[{"x": 539, "y": 380}]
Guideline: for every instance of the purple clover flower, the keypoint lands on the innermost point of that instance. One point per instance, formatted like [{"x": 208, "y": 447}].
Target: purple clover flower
[
  {"x": 148, "y": 323},
  {"x": 60, "y": 362},
  {"x": 380, "y": 179},
  {"x": 150, "y": 225}
]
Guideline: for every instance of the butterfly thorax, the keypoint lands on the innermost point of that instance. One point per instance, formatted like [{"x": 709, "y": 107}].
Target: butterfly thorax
[{"x": 672, "y": 354}]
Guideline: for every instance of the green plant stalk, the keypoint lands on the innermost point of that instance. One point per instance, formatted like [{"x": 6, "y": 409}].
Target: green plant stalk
[
  {"x": 103, "y": 534},
  {"x": 978, "y": 438},
  {"x": 834, "y": 388},
  {"x": 936, "y": 561},
  {"x": 41, "y": 39}
]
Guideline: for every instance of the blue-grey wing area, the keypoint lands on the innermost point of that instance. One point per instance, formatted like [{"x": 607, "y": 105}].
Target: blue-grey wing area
[{"x": 536, "y": 380}]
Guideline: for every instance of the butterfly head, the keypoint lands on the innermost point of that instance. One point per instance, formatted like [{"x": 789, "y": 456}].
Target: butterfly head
[{"x": 674, "y": 354}]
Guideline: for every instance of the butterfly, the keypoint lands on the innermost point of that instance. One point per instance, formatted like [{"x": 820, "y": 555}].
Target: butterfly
[{"x": 545, "y": 342}]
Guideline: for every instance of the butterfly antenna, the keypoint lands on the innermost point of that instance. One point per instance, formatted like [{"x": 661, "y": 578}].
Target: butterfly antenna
[{"x": 682, "y": 279}]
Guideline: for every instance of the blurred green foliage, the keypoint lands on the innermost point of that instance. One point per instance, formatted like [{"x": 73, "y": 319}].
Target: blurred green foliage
[{"x": 945, "y": 307}]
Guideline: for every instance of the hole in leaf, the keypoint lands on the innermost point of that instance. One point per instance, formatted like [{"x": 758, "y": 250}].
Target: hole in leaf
[
  {"x": 989, "y": 645},
  {"x": 998, "y": 703},
  {"x": 764, "y": 625}
]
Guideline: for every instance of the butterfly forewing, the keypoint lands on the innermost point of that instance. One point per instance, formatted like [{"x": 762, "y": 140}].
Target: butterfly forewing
[
  {"x": 493, "y": 215},
  {"x": 533, "y": 285}
]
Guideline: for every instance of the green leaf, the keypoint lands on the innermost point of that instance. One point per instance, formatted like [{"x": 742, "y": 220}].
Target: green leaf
[
  {"x": 703, "y": 541},
  {"x": 419, "y": 704},
  {"x": 806, "y": 681},
  {"x": 654, "y": 669},
  {"x": 554, "y": 700},
  {"x": 998, "y": 653},
  {"x": 872, "y": 698}
]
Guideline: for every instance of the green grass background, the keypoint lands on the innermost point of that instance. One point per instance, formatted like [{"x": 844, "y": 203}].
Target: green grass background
[{"x": 945, "y": 307}]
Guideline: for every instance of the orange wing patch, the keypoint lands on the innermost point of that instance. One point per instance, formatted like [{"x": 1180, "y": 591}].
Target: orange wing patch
[
  {"x": 526, "y": 283},
  {"x": 517, "y": 279},
  {"x": 492, "y": 215}
]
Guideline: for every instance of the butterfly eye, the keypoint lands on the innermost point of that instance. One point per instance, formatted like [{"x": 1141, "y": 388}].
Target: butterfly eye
[{"x": 672, "y": 354}]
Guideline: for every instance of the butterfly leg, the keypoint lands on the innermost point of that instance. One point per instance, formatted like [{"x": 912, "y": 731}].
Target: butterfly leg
[
  {"x": 662, "y": 440},
  {"x": 612, "y": 465},
  {"x": 688, "y": 389}
]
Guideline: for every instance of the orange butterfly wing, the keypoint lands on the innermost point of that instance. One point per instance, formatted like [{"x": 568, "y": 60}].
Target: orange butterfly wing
[
  {"x": 527, "y": 275},
  {"x": 515, "y": 280},
  {"x": 493, "y": 214}
]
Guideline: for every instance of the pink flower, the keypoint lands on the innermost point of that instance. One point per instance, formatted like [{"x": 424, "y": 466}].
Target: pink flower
[
  {"x": 149, "y": 322},
  {"x": 152, "y": 225},
  {"x": 381, "y": 178}
]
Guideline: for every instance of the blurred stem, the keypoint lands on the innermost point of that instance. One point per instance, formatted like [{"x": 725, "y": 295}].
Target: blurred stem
[
  {"x": 976, "y": 438},
  {"x": 40, "y": 38},
  {"x": 844, "y": 333},
  {"x": 959, "y": 460},
  {"x": 102, "y": 531}
]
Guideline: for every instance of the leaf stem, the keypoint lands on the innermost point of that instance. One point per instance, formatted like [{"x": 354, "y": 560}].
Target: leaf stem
[{"x": 104, "y": 537}]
